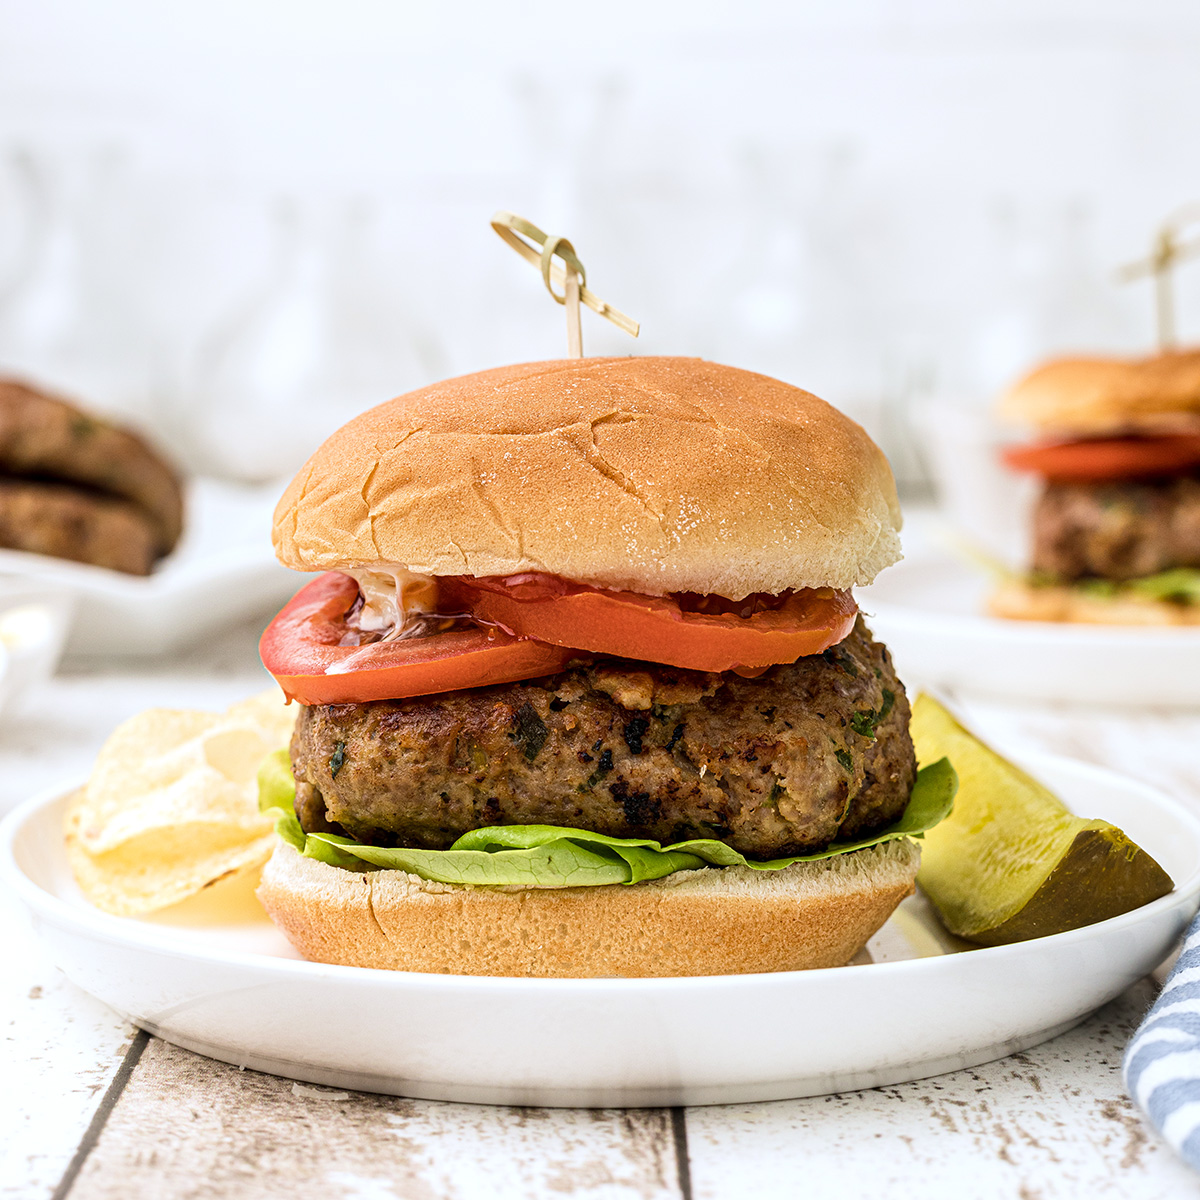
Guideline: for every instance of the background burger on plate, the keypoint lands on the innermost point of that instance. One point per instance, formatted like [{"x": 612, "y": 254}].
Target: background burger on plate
[
  {"x": 1116, "y": 528},
  {"x": 584, "y": 687}
]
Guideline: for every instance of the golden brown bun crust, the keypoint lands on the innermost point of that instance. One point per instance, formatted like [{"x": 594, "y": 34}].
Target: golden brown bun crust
[
  {"x": 1020, "y": 602},
  {"x": 1089, "y": 397},
  {"x": 649, "y": 474},
  {"x": 715, "y": 921}
]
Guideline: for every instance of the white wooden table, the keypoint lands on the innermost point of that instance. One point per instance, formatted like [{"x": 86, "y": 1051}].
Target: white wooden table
[{"x": 89, "y": 1108}]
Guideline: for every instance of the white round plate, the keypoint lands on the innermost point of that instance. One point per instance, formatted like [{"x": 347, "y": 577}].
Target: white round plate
[
  {"x": 227, "y": 984},
  {"x": 224, "y": 569},
  {"x": 930, "y": 611}
]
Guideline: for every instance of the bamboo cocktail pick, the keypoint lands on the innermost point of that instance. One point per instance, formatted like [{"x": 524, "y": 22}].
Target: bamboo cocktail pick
[
  {"x": 1169, "y": 249},
  {"x": 571, "y": 276}
]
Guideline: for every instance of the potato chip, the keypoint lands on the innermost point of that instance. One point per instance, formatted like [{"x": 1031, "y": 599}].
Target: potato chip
[
  {"x": 172, "y": 804},
  {"x": 155, "y": 873},
  {"x": 269, "y": 710}
]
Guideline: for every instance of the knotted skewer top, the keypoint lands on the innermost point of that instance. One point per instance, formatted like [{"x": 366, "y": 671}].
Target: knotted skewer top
[
  {"x": 1169, "y": 248},
  {"x": 571, "y": 277}
]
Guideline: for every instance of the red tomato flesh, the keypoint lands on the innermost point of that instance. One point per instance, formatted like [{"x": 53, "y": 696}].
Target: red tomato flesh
[
  {"x": 1096, "y": 459},
  {"x": 533, "y": 625},
  {"x": 702, "y": 633},
  {"x": 302, "y": 649}
]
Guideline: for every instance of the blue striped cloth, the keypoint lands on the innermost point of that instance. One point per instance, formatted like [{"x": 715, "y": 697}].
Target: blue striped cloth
[{"x": 1162, "y": 1064}]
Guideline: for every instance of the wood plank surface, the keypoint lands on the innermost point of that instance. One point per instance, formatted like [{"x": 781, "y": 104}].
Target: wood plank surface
[
  {"x": 61, "y": 1049},
  {"x": 1053, "y": 1122},
  {"x": 187, "y": 1128}
]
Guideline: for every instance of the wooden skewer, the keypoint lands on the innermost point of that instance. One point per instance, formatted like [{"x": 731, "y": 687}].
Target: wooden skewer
[
  {"x": 571, "y": 277},
  {"x": 1169, "y": 249},
  {"x": 574, "y": 328}
]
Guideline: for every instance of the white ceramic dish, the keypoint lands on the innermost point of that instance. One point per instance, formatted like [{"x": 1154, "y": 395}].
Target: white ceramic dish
[
  {"x": 930, "y": 612},
  {"x": 33, "y": 629},
  {"x": 223, "y": 569},
  {"x": 234, "y": 990}
]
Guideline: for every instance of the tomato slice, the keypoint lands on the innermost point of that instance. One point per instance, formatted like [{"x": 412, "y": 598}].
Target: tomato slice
[
  {"x": 302, "y": 649},
  {"x": 1106, "y": 458},
  {"x": 662, "y": 629}
]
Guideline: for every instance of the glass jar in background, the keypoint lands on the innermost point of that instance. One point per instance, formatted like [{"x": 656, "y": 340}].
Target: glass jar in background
[
  {"x": 325, "y": 334},
  {"x": 72, "y": 318},
  {"x": 22, "y": 221}
]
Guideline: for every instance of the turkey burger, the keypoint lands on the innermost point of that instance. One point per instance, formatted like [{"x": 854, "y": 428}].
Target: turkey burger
[{"x": 584, "y": 687}]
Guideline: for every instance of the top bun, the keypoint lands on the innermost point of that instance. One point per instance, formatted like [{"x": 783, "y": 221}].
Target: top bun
[
  {"x": 645, "y": 474},
  {"x": 1098, "y": 396}
]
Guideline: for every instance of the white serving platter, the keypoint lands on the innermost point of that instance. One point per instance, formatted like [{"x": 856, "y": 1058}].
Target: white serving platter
[
  {"x": 930, "y": 611},
  {"x": 216, "y": 977},
  {"x": 224, "y": 569}
]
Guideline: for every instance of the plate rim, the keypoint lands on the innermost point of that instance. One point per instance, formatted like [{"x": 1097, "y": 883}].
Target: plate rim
[
  {"x": 87, "y": 579},
  {"x": 924, "y": 619},
  {"x": 130, "y": 933},
  {"x": 997, "y": 628}
]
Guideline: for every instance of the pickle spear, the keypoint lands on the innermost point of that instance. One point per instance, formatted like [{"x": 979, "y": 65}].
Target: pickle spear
[{"x": 1011, "y": 862}]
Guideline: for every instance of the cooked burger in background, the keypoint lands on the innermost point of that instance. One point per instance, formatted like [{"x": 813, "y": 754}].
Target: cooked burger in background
[
  {"x": 78, "y": 487},
  {"x": 585, "y": 676},
  {"x": 1116, "y": 527}
]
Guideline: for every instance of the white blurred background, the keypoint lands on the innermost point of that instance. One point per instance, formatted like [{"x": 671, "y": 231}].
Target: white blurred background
[{"x": 238, "y": 222}]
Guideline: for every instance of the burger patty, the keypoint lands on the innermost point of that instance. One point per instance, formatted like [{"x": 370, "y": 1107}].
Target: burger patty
[
  {"x": 776, "y": 765},
  {"x": 73, "y": 523},
  {"x": 45, "y": 438},
  {"x": 1119, "y": 530}
]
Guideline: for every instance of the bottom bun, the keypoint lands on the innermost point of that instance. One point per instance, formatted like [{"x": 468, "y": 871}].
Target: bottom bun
[
  {"x": 1022, "y": 602},
  {"x": 713, "y": 921}
]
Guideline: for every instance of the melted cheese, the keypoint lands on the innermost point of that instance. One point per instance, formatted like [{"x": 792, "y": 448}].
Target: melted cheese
[{"x": 394, "y": 599}]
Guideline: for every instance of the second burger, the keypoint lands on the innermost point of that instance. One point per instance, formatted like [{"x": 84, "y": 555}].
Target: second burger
[{"x": 1116, "y": 526}]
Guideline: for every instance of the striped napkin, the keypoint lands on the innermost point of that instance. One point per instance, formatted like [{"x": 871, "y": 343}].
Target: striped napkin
[{"x": 1162, "y": 1064}]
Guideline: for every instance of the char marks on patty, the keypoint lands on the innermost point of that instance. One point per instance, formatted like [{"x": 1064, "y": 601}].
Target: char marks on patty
[{"x": 776, "y": 765}]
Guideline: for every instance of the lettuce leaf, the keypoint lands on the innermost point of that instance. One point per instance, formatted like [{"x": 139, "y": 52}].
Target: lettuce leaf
[
  {"x": 559, "y": 856},
  {"x": 277, "y": 790},
  {"x": 1179, "y": 585},
  {"x": 276, "y": 784}
]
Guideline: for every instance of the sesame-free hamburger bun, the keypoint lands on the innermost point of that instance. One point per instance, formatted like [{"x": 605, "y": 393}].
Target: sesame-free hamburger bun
[
  {"x": 1094, "y": 397},
  {"x": 651, "y": 475}
]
